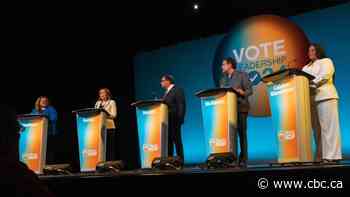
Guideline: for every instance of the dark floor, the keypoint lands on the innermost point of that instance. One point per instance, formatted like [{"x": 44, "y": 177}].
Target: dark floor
[{"x": 202, "y": 179}]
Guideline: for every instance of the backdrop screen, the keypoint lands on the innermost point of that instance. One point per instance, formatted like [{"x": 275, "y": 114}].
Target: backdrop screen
[{"x": 195, "y": 66}]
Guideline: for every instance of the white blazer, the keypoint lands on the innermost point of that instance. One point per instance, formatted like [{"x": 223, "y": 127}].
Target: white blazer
[
  {"x": 323, "y": 71},
  {"x": 111, "y": 107}
]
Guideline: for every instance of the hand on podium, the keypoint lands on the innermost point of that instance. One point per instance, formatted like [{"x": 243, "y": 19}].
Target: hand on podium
[{"x": 240, "y": 91}]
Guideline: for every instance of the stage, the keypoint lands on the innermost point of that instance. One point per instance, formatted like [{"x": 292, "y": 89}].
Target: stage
[{"x": 334, "y": 177}]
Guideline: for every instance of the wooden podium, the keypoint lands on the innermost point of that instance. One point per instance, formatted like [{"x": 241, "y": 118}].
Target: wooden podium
[
  {"x": 32, "y": 141},
  {"x": 152, "y": 124},
  {"x": 91, "y": 127},
  {"x": 290, "y": 107},
  {"x": 219, "y": 115}
]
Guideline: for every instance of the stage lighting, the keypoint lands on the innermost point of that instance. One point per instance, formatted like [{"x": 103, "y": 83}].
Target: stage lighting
[
  {"x": 58, "y": 169},
  {"x": 167, "y": 163},
  {"x": 196, "y": 6},
  {"x": 110, "y": 166},
  {"x": 221, "y": 160}
]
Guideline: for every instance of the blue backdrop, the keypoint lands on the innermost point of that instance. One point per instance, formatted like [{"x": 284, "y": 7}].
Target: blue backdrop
[{"x": 191, "y": 65}]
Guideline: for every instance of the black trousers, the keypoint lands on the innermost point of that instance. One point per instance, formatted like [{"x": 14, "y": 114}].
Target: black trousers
[
  {"x": 242, "y": 133},
  {"x": 112, "y": 151},
  {"x": 174, "y": 137},
  {"x": 51, "y": 150}
]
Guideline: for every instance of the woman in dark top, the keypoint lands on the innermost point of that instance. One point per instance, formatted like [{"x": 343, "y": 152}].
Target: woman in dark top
[{"x": 43, "y": 107}]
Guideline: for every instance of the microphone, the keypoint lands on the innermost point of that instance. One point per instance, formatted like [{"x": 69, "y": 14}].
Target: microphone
[{"x": 154, "y": 96}]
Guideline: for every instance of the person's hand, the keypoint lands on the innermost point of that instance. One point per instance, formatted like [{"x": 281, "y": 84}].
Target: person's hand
[
  {"x": 313, "y": 86},
  {"x": 240, "y": 91}
]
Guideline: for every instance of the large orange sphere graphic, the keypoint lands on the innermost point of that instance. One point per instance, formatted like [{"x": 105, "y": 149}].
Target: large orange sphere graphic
[{"x": 262, "y": 45}]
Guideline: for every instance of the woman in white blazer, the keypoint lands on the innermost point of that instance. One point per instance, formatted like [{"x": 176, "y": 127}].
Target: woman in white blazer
[
  {"x": 324, "y": 105},
  {"x": 106, "y": 102}
]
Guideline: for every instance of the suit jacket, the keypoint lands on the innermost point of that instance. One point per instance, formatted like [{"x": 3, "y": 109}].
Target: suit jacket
[
  {"x": 111, "y": 107},
  {"x": 323, "y": 71},
  {"x": 175, "y": 99},
  {"x": 239, "y": 80}
]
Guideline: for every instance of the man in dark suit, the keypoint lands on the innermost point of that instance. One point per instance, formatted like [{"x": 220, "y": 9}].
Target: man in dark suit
[
  {"x": 175, "y": 99},
  {"x": 240, "y": 82}
]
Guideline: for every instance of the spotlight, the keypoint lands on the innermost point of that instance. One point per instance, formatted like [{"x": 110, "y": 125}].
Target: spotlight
[
  {"x": 167, "y": 163},
  {"x": 221, "y": 160},
  {"x": 109, "y": 166},
  {"x": 196, "y": 6},
  {"x": 58, "y": 169}
]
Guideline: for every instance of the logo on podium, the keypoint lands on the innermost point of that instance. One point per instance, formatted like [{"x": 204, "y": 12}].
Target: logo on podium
[
  {"x": 218, "y": 142},
  {"x": 286, "y": 135},
  {"x": 150, "y": 147}
]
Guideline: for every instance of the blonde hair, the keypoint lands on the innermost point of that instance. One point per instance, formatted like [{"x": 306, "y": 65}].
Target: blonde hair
[
  {"x": 37, "y": 102},
  {"x": 109, "y": 94}
]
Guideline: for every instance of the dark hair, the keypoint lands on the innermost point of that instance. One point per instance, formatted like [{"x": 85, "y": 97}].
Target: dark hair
[
  {"x": 169, "y": 78},
  {"x": 320, "y": 53},
  {"x": 231, "y": 61}
]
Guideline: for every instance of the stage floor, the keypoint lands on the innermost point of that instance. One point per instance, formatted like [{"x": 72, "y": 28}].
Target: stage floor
[
  {"x": 195, "y": 177},
  {"x": 273, "y": 168}
]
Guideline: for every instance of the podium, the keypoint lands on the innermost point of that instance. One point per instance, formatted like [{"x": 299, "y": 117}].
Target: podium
[
  {"x": 152, "y": 124},
  {"x": 91, "y": 128},
  {"x": 290, "y": 107},
  {"x": 219, "y": 115},
  {"x": 32, "y": 141}
]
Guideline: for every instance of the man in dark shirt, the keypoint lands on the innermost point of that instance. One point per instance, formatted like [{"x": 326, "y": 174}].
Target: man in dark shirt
[
  {"x": 175, "y": 99},
  {"x": 240, "y": 82}
]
